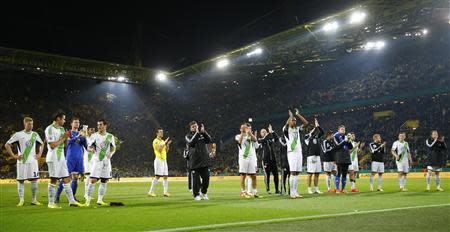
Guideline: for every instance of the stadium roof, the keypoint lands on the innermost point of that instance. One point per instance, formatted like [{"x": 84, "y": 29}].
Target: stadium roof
[{"x": 302, "y": 44}]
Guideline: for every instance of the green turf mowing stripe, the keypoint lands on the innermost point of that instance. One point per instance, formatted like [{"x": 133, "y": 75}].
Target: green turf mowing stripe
[{"x": 275, "y": 220}]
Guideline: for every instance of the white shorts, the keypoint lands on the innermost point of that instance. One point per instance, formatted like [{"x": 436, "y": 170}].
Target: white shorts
[
  {"x": 295, "y": 161},
  {"x": 354, "y": 166},
  {"x": 329, "y": 166},
  {"x": 247, "y": 166},
  {"x": 402, "y": 166},
  {"x": 101, "y": 169},
  {"x": 430, "y": 168},
  {"x": 313, "y": 164},
  {"x": 27, "y": 171},
  {"x": 87, "y": 166},
  {"x": 58, "y": 169},
  {"x": 377, "y": 167},
  {"x": 161, "y": 168}
]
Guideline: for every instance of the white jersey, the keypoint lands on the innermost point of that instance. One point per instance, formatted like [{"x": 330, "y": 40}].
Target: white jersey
[
  {"x": 293, "y": 141},
  {"x": 102, "y": 145},
  {"x": 53, "y": 134},
  {"x": 87, "y": 155},
  {"x": 247, "y": 150},
  {"x": 354, "y": 153},
  {"x": 402, "y": 149},
  {"x": 26, "y": 142}
]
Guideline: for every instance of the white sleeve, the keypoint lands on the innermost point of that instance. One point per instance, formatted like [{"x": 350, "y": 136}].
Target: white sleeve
[
  {"x": 113, "y": 141},
  {"x": 49, "y": 135},
  {"x": 237, "y": 137},
  {"x": 38, "y": 139},
  {"x": 13, "y": 139},
  {"x": 91, "y": 140},
  {"x": 394, "y": 146}
]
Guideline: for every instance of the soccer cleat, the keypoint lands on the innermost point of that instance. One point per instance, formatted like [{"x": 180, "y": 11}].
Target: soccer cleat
[
  {"x": 337, "y": 191},
  {"x": 268, "y": 192},
  {"x": 428, "y": 188},
  {"x": 439, "y": 189},
  {"x": 278, "y": 193},
  {"x": 101, "y": 203},
  {"x": 403, "y": 190},
  {"x": 256, "y": 195},
  {"x": 333, "y": 190},
  {"x": 167, "y": 194},
  {"x": 298, "y": 196},
  {"x": 293, "y": 197},
  {"x": 355, "y": 190},
  {"x": 151, "y": 194},
  {"x": 380, "y": 190},
  {"x": 76, "y": 204},
  {"x": 197, "y": 198},
  {"x": 204, "y": 196},
  {"x": 36, "y": 203},
  {"x": 310, "y": 191},
  {"x": 21, "y": 203},
  {"x": 344, "y": 191},
  {"x": 53, "y": 206},
  {"x": 330, "y": 191},
  {"x": 318, "y": 192},
  {"x": 371, "y": 188}
]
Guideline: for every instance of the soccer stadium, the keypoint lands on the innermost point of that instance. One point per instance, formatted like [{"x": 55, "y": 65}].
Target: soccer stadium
[{"x": 225, "y": 116}]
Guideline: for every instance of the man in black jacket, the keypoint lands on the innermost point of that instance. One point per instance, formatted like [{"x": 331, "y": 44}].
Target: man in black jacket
[
  {"x": 199, "y": 160},
  {"x": 436, "y": 158},
  {"x": 314, "y": 165},
  {"x": 343, "y": 147},
  {"x": 269, "y": 162}
]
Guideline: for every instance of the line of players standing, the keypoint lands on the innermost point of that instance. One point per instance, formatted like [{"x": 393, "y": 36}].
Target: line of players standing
[{"x": 336, "y": 151}]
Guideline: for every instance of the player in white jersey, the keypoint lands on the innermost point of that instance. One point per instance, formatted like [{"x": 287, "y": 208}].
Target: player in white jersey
[
  {"x": 400, "y": 150},
  {"x": 104, "y": 145},
  {"x": 27, "y": 159},
  {"x": 87, "y": 162},
  {"x": 247, "y": 144},
  {"x": 56, "y": 137},
  {"x": 353, "y": 168},
  {"x": 294, "y": 150}
]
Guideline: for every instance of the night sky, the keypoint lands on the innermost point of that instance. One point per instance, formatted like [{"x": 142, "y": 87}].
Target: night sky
[{"x": 166, "y": 35}]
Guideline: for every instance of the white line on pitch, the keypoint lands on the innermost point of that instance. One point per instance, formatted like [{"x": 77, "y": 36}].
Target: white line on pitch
[{"x": 247, "y": 223}]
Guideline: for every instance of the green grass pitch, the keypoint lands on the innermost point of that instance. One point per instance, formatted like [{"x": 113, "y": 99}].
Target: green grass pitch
[{"x": 415, "y": 210}]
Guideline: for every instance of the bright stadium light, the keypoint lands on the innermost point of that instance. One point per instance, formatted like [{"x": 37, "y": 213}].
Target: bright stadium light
[
  {"x": 121, "y": 78},
  {"x": 374, "y": 45},
  {"x": 161, "y": 77},
  {"x": 331, "y": 26},
  {"x": 222, "y": 63},
  {"x": 425, "y": 31},
  {"x": 357, "y": 17},
  {"x": 257, "y": 51}
]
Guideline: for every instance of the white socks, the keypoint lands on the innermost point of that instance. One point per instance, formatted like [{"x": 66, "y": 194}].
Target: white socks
[
  {"x": 101, "y": 192},
  {"x": 21, "y": 190},
  {"x": 293, "y": 183},
  {"x": 249, "y": 185},
  {"x": 51, "y": 193},
  {"x": 153, "y": 186},
  {"x": 438, "y": 181},
  {"x": 87, "y": 181},
  {"x": 429, "y": 174},
  {"x": 328, "y": 182},
  {"x": 34, "y": 189},
  {"x": 380, "y": 181},
  {"x": 372, "y": 180},
  {"x": 165, "y": 185},
  {"x": 69, "y": 193}
]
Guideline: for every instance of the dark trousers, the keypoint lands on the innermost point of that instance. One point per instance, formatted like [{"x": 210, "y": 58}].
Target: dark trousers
[
  {"x": 189, "y": 174},
  {"x": 200, "y": 180},
  {"x": 285, "y": 173},
  {"x": 270, "y": 167},
  {"x": 341, "y": 175}
]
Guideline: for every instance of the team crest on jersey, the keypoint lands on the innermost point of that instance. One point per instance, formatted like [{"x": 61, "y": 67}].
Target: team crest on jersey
[
  {"x": 104, "y": 145},
  {"x": 29, "y": 143}
]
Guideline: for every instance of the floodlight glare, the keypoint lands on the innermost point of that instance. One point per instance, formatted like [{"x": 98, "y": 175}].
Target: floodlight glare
[
  {"x": 222, "y": 63},
  {"x": 161, "y": 76},
  {"x": 357, "y": 17},
  {"x": 425, "y": 31},
  {"x": 121, "y": 78},
  {"x": 331, "y": 26},
  {"x": 257, "y": 51}
]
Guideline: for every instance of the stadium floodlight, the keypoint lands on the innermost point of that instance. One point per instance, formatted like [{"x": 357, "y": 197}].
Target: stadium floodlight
[
  {"x": 256, "y": 51},
  {"x": 331, "y": 26},
  {"x": 161, "y": 76},
  {"x": 222, "y": 63},
  {"x": 425, "y": 31},
  {"x": 374, "y": 45},
  {"x": 121, "y": 78},
  {"x": 357, "y": 17}
]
